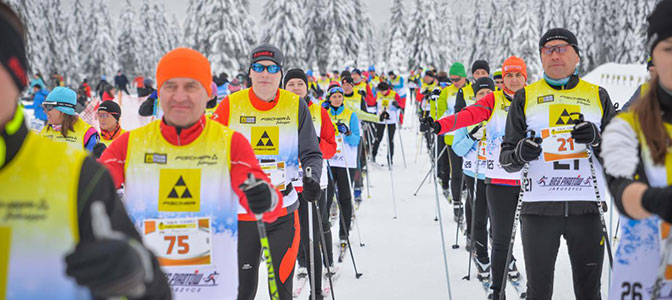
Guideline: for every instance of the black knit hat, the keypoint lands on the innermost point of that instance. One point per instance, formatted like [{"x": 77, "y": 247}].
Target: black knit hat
[
  {"x": 660, "y": 24},
  {"x": 12, "y": 49},
  {"x": 347, "y": 79},
  {"x": 430, "y": 73},
  {"x": 112, "y": 108},
  {"x": 383, "y": 86},
  {"x": 295, "y": 73},
  {"x": 356, "y": 71},
  {"x": 560, "y": 34},
  {"x": 267, "y": 52},
  {"x": 480, "y": 64},
  {"x": 483, "y": 83}
]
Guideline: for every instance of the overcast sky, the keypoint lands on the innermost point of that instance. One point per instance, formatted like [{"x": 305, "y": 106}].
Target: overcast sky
[{"x": 179, "y": 8}]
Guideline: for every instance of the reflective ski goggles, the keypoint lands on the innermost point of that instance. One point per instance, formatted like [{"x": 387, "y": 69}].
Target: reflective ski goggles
[
  {"x": 548, "y": 50},
  {"x": 272, "y": 69},
  {"x": 47, "y": 106},
  {"x": 336, "y": 89}
]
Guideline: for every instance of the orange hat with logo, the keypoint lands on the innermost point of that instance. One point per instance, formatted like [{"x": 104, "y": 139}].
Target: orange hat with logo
[
  {"x": 514, "y": 64},
  {"x": 184, "y": 62}
]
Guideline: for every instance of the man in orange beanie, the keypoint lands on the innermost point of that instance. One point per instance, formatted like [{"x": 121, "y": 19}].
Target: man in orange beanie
[
  {"x": 281, "y": 129},
  {"x": 186, "y": 178},
  {"x": 568, "y": 115},
  {"x": 502, "y": 187}
]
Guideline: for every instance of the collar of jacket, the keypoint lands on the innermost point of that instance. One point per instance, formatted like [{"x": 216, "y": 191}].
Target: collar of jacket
[{"x": 12, "y": 137}]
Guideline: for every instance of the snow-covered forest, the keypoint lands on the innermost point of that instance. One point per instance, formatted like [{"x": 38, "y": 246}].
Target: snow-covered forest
[{"x": 82, "y": 39}]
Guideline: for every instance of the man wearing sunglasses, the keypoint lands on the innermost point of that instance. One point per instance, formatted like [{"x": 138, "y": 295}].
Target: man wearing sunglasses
[
  {"x": 279, "y": 126},
  {"x": 567, "y": 114}
]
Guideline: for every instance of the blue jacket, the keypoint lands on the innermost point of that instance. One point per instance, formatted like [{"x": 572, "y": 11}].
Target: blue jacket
[
  {"x": 462, "y": 144},
  {"x": 38, "y": 98},
  {"x": 354, "y": 137}
]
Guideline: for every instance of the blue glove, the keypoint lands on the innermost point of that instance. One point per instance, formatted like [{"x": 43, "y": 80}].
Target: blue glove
[
  {"x": 342, "y": 128},
  {"x": 325, "y": 104}
]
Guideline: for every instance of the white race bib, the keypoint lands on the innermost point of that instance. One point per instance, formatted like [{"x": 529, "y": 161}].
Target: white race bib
[
  {"x": 559, "y": 144},
  {"x": 179, "y": 242},
  {"x": 275, "y": 170}
]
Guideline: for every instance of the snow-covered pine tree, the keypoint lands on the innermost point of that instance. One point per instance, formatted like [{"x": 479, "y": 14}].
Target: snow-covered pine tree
[
  {"x": 447, "y": 26},
  {"x": 54, "y": 34},
  {"x": 30, "y": 13},
  {"x": 506, "y": 44},
  {"x": 101, "y": 59},
  {"x": 248, "y": 30},
  {"x": 423, "y": 36},
  {"x": 645, "y": 8},
  {"x": 397, "y": 49},
  {"x": 337, "y": 15},
  {"x": 581, "y": 22},
  {"x": 284, "y": 29},
  {"x": 128, "y": 40},
  {"x": 192, "y": 31},
  {"x": 481, "y": 24},
  {"x": 524, "y": 41},
  {"x": 175, "y": 32},
  {"x": 362, "y": 27},
  {"x": 606, "y": 31},
  {"x": 368, "y": 54},
  {"x": 495, "y": 39},
  {"x": 315, "y": 34},
  {"x": 227, "y": 41}
]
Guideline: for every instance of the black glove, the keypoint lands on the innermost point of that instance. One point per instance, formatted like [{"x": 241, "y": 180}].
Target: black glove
[
  {"x": 657, "y": 201},
  {"x": 362, "y": 93},
  {"x": 98, "y": 150},
  {"x": 395, "y": 104},
  {"x": 312, "y": 191},
  {"x": 435, "y": 95},
  {"x": 112, "y": 265},
  {"x": 473, "y": 133},
  {"x": 585, "y": 132},
  {"x": 528, "y": 149},
  {"x": 384, "y": 116},
  {"x": 342, "y": 128},
  {"x": 428, "y": 124},
  {"x": 261, "y": 197}
]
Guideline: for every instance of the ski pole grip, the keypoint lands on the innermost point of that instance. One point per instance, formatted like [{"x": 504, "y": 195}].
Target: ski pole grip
[{"x": 530, "y": 133}]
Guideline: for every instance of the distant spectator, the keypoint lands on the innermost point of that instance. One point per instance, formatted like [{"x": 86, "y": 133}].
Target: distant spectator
[{"x": 121, "y": 82}]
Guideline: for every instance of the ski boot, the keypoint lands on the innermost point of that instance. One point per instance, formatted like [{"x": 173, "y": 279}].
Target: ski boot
[
  {"x": 514, "y": 274},
  {"x": 342, "y": 250}
]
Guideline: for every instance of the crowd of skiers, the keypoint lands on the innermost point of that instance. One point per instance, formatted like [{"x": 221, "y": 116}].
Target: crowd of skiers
[{"x": 262, "y": 164}]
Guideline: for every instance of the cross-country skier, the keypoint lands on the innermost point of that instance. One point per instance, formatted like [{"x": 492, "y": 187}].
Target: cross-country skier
[
  {"x": 502, "y": 188},
  {"x": 64, "y": 125},
  {"x": 637, "y": 160},
  {"x": 567, "y": 114},
  {"x": 63, "y": 224},
  {"x": 279, "y": 125}
]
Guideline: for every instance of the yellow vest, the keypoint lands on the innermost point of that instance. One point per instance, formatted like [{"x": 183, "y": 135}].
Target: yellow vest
[
  {"x": 562, "y": 172},
  {"x": 274, "y": 136},
  {"x": 181, "y": 200},
  {"x": 445, "y": 105},
  {"x": 75, "y": 137},
  {"x": 38, "y": 223}
]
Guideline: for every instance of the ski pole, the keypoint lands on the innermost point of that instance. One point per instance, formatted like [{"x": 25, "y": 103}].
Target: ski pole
[
  {"x": 366, "y": 165},
  {"x": 440, "y": 218},
  {"x": 605, "y": 234},
  {"x": 323, "y": 246},
  {"x": 523, "y": 185},
  {"x": 472, "y": 244},
  {"x": 664, "y": 259},
  {"x": 309, "y": 173},
  {"x": 401, "y": 142},
  {"x": 347, "y": 234},
  {"x": 389, "y": 166},
  {"x": 263, "y": 238},
  {"x": 459, "y": 207},
  {"x": 350, "y": 185},
  {"x": 600, "y": 208},
  {"x": 429, "y": 172}
]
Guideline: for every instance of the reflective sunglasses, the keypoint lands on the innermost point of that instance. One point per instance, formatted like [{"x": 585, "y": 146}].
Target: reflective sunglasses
[
  {"x": 548, "y": 50},
  {"x": 272, "y": 69},
  {"x": 48, "y": 106}
]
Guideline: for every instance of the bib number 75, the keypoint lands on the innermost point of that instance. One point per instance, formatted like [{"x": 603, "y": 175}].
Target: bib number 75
[{"x": 182, "y": 244}]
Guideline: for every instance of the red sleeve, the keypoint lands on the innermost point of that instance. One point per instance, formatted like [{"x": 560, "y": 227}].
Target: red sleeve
[
  {"x": 221, "y": 114},
  {"x": 419, "y": 96},
  {"x": 401, "y": 102},
  {"x": 370, "y": 100},
  {"x": 327, "y": 136},
  {"x": 244, "y": 162},
  {"x": 470, "y": 115},
  {"x": 114, "y": 158}
]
